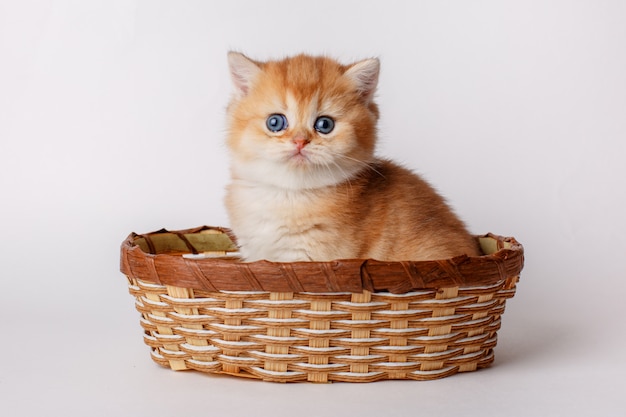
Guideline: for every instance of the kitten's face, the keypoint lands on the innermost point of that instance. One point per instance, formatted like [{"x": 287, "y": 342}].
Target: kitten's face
[{"x": 303, "y": 122}]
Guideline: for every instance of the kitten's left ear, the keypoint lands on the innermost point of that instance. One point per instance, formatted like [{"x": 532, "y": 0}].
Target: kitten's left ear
[
  {"x": 243, "y": 72},
  {"x": 365, "y": 75}
]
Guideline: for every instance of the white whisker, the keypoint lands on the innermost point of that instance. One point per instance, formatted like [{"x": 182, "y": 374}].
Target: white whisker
[{"x": 368, "y": 165}]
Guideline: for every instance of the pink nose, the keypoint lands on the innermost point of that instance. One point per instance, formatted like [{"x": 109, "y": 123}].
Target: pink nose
[{"x": 300, "y": 143}]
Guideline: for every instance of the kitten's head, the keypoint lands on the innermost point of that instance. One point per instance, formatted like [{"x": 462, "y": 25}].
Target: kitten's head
[{"x": 303, "y": 122}]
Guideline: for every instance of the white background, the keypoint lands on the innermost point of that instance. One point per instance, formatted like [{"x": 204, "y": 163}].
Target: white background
[{"x": 112, "y": 121}]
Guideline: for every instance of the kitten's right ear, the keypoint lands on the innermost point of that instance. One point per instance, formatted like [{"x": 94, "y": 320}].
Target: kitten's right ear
[{"x": 243, "y": 72}]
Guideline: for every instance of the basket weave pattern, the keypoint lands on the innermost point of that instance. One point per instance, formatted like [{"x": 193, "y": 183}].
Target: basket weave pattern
[{"x": 319, "y": 336}]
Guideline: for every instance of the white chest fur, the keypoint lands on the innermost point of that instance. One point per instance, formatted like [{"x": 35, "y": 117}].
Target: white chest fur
[{"x": 280, "y": 224}]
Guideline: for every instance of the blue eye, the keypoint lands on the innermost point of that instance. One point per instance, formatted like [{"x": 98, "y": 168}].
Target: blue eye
[
  {"x": 276, "y": 122},
  {"x": 324, "y": 124}
]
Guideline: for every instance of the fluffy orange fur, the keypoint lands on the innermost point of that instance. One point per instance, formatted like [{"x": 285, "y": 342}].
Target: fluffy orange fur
[{"x": 306, "y": 190}]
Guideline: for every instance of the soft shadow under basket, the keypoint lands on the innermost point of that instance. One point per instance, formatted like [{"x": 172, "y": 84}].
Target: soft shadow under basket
[{"x": 345, "y": 320}]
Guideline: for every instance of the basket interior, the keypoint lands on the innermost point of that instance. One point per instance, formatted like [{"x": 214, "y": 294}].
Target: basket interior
[
  {"x": 209, "y": 240},
  {"x": 215, "y": 242}
]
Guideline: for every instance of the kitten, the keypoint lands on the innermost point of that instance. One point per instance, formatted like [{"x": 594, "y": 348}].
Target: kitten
[{"x": 306, "y": 185}]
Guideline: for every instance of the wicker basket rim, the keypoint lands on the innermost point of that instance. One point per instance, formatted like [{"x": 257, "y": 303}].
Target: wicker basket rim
[{"x": 342, "y": 275}]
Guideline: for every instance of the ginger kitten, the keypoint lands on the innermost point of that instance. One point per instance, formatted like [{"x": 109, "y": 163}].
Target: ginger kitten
[{"x": 306, "y": 185}]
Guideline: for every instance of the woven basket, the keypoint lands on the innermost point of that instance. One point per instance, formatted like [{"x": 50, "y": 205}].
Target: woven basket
[{"x": 345, "y": 320}]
